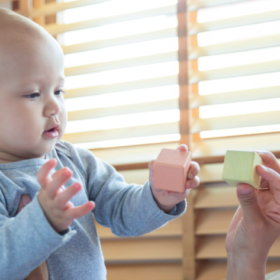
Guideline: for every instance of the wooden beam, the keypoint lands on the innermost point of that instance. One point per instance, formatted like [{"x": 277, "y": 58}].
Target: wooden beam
[{"x": 188, "y": 237}]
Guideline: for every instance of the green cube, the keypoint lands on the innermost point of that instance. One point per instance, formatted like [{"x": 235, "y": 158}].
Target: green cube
[{"x": 240, "y": 167}]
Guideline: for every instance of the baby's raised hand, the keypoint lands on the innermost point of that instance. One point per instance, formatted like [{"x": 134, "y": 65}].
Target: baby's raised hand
[
  {"x": 55, "y": 199},
  {"x": 167, "y": 200}
]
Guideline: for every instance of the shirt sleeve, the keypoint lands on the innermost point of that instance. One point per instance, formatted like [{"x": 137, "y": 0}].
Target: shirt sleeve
[
  {"x": 128, "y": 209},
  {"x": 26, "y": 240}
]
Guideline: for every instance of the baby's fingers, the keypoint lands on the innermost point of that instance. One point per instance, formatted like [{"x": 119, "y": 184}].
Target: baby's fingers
[
  {"x": 193, "y": 183},
  {"x": 79, "y": 211},
  {"x": 43, "y": 174},
  {"x": 64, "y": 196},
  {"x": 59, "y": 179},
  {"x": 193, "y": 170},
  {"x": 183, "y": 148}
]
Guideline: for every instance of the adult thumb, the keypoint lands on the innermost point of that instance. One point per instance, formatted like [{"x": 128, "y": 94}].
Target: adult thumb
[{"x": 249, "y": 203}]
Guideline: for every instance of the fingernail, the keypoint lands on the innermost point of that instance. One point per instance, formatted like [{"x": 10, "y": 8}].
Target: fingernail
[{"x": 188, "y": 185}]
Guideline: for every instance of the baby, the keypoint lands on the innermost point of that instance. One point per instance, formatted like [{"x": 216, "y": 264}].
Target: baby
[{"x": 67, "y": 185}]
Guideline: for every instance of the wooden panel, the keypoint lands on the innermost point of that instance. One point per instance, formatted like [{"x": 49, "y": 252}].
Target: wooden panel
[
  {"x": 147, "y": 83},
  {"x": 219, "y": 146},
  {"x": 238, "y": 71},
  {"x": 211, "y": 172},
  {"x": 216, "y": 197},
  {"x": 133, "y": 154},
  {"x": 124, "y": 109},
  {"x": 173, "y": 228},
  {"x": 195, "y": 27},
  {"x": 237, "y": 96},
  {"x": 142, "y": 37},
  {"x": 154, "y": 271},
  {"x": 227, "y": 122},
  {"x": 213, "y": 247},
  {"x": 133, "y": 249},
  {"x": 139, "y": 176},
  {"x": 38, "y": 4},
  {"x": 213, "y": 221},
  {"x": 55, "y": 29},
  {"x": 131, "y": 62},
  {"x": 210, "y": 270}
]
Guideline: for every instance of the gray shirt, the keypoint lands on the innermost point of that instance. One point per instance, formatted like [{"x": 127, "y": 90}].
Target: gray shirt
[{"x": 27, "y": 239}]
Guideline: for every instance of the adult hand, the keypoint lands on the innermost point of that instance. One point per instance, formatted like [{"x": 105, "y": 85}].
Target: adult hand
[
  {"x": 41, "y": 272},
  {"x": 256, "y": 223},
  {"x": 167, "y": 200},
  {"x": 55, "y": 199}
]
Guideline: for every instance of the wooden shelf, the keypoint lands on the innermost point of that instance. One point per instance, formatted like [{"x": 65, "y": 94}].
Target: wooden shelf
[
  {"x": 162, "y": 271},
  {"x": 213, "y": 247},
  {"x": 213, "y": 221},
  {"x": 216, "y": 197},
  {"x": 209, "y": 270},
  {"x": 142, "y": 249},
  {"x": 172, "y": 229}
]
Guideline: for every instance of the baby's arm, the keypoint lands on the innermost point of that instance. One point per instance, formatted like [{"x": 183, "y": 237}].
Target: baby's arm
[
  {"x": 28, "y": 239},
  {"x": 55, "y": 199},
  {"x": 128, "y": 209}
]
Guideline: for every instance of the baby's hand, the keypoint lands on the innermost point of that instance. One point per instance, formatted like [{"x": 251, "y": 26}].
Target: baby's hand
[
  {"x": 167, "y": 200},
  {"x": 55, "y": 199}
]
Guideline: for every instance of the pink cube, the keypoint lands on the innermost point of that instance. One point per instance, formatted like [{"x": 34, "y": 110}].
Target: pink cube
[{"x": 170, "y": 170}]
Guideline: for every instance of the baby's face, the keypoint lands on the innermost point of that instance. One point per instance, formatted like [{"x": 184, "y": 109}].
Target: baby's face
[{"x": 31, "y": 98}]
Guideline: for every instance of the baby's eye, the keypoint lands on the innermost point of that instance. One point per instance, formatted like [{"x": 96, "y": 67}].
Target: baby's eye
[
  {"x": 58, "y": 92},
  {"x": 33, "y": 95}
]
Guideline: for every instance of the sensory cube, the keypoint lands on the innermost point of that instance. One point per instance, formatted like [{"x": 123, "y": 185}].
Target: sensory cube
[
  {"x": 240, "y": 167},
  {"x": 170, "y": 170}
]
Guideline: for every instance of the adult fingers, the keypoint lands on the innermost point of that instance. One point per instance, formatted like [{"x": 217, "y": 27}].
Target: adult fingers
[
  {"x": 248, "y": 201},
  {"x": 79, "y": 211},
  {"x": 24, "y": 200},
  {"x": 193, "y": 170},
  {"x": 273, "y": 178},
  {"x": 63, "y": 197},
  {"x": 43, "y": 175},
  {"x": 183, "y": 148},
  {"x": 269, "y": 160},
  {"x": 59, "y": 179}
]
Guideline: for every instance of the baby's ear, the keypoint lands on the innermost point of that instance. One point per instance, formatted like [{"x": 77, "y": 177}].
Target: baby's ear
[{"x": 24, "y": 200}]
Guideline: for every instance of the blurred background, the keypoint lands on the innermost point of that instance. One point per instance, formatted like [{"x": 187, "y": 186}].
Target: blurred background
[{"x": 143, "y": 75}]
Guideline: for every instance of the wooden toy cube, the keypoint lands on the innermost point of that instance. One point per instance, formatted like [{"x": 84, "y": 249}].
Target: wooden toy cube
[
  {"x": 170, "y": 170},
  {"x": 240, "y": 167}
]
